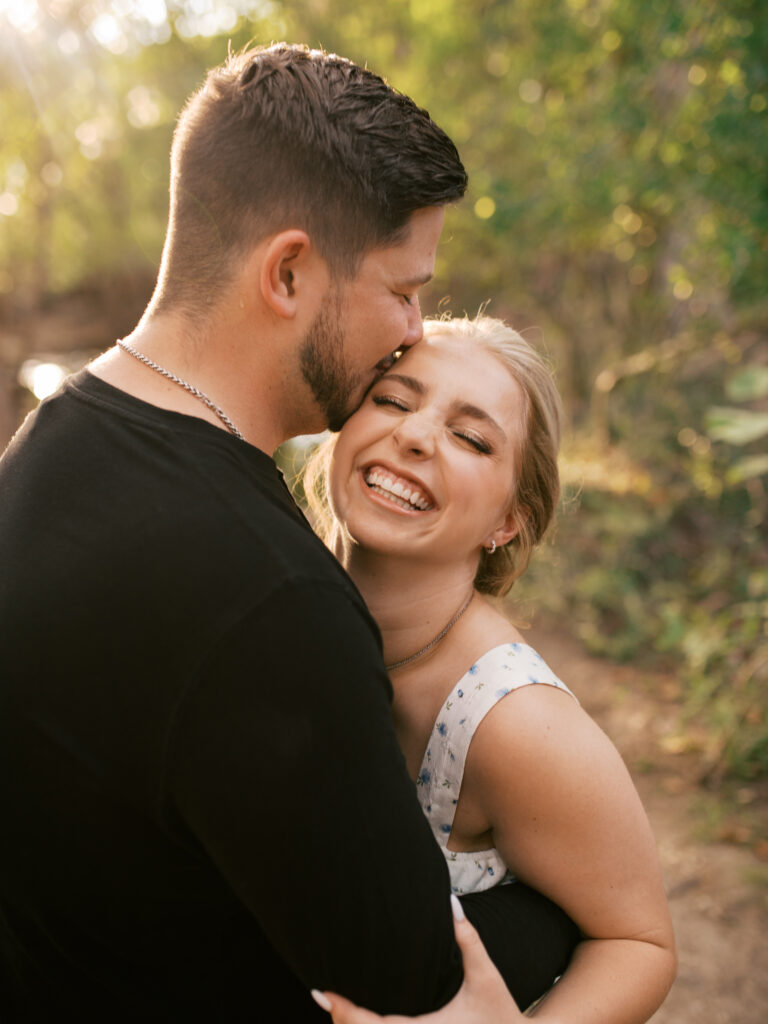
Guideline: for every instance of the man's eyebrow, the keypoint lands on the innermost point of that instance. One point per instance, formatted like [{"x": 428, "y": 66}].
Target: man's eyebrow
[{"x": 415, "y": 282}]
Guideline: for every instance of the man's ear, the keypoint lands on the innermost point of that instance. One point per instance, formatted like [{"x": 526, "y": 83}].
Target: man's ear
[{"x": 289, "y": 265}]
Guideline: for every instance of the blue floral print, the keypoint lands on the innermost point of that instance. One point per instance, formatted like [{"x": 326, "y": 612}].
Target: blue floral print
[{"x": 442, "y": 771}]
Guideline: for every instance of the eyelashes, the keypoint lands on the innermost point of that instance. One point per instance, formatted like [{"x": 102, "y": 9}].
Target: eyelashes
[
  {"x": 389, "y": 400},
  {"x": 477, "y": 443}
]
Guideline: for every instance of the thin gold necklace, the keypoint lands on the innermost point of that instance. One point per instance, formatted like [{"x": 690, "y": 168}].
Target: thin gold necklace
[{"x": 432, "y": 643}]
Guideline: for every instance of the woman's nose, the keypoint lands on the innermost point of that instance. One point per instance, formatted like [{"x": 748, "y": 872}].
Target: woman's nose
[{"x": 416, "y": 435}]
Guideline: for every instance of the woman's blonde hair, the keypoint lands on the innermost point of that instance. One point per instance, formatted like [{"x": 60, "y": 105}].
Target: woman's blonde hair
[{"x": 537, "y": 488}]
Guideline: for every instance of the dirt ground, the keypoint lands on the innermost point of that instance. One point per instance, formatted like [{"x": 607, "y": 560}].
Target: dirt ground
[{"x": 712, "y": 845}]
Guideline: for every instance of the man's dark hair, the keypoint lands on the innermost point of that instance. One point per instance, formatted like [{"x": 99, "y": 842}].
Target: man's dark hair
[{"x": 283, "y": 136}]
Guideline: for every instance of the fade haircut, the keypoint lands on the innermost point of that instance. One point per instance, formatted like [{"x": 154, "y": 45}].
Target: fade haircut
[{"x": 287, "y": 137}]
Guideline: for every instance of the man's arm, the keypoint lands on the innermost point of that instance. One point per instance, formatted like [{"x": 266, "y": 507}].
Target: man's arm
[{"x": 285, "y": 766}]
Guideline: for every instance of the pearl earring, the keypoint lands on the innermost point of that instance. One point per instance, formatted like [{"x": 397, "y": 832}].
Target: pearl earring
[{"x": 491, "y": 547}]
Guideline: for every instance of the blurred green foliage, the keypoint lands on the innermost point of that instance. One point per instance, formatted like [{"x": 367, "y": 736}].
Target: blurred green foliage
[{"x": 618, "y": 205}]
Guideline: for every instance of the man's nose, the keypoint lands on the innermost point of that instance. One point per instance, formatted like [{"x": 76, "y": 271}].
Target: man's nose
[{"x": 415, "y": 331}]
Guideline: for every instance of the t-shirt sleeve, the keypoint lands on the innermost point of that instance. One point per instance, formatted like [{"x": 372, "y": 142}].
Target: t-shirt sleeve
[{"x": 284, "y": 765}]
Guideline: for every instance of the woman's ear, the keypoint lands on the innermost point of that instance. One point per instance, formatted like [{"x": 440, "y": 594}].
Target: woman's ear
[
  {"x": 289, "y": 265},
  {"x": 509, "y": 527}
]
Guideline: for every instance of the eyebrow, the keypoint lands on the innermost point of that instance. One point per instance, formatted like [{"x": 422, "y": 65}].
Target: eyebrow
[
  {"x": 463, "y": 408},
  {"x": 415, "y": 282},
  {"x": 409, "y": 382},
  {"x": 467, "y": 409}
]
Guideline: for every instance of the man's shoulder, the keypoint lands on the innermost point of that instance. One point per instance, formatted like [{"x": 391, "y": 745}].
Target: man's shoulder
[{"x": 185, "y": 500}]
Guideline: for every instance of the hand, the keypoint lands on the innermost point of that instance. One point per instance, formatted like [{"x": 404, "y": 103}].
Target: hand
[{"x": 482, "y": 999}]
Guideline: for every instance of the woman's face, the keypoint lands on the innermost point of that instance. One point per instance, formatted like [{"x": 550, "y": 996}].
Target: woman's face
[{"x": 427, "y": 466}]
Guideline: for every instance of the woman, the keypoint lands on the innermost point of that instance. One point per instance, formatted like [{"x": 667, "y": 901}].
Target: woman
[{"x": 438, "y": 489}]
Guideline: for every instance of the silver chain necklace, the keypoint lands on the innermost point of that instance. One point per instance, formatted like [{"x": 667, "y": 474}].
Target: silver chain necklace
[
  {"x": 443, "y": 633},
  {"x": 182, "y": 383}
]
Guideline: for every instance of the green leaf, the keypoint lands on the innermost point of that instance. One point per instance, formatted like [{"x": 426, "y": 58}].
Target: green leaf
[
  {"x": 736, "y": 426},
  {"x": 749, "y": 383},
  {"x": 747, "y": 468}
]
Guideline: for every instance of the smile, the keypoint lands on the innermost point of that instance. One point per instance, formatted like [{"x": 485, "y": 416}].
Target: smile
[{"x": 406, "y": 494}]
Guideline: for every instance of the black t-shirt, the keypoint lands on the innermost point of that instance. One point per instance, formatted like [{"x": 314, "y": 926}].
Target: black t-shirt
[{"x": 204, "y": 808}]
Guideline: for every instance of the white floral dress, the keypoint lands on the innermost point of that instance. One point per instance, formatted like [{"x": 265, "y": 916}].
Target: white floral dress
[{"x": 497, "y": 673}]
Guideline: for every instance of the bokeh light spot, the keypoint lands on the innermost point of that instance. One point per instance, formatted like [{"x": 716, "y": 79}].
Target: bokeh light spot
[
  {"x": 697, "y": 75},
  {"x": 485, "y": 208},
  {"x": 9, "y": 204},
  {"x": 42, "y": 379},
  {"x": 530, "y": 90},
  {"x": 682, "y": 290}
]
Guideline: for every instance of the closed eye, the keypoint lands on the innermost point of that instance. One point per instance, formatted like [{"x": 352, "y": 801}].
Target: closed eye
[
  {"x": 477, "y": 443},
  {"x": 390, "y": 400}
]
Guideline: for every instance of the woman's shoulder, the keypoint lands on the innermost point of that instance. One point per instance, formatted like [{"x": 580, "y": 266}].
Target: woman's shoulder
[
  {"x": 511, "y": 687},
  {"x": 540, "y": 721},
  {"x": 512, "y": 665},
  {"x": 526, "y": 700}
]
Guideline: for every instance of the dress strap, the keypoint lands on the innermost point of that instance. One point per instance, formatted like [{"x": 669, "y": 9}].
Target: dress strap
[{"x": 497, "y": 673}]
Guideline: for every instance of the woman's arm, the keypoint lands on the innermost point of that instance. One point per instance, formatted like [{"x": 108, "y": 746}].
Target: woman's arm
[{"x": 567, "y": 820}]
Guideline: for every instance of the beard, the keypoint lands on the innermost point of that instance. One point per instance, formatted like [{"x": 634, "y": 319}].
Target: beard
[{"x": 322, "y": 364}]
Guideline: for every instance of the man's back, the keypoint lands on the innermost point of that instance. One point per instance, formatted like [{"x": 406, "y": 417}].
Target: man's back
[{"x": 175, "y": 740}]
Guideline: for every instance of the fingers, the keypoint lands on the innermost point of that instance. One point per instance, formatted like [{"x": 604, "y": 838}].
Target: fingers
[
  {"x": 342, "y": 1011},
  {"x": 478, "y": 966},
  {"x": 484, "y": 995},
  {"x": 482, "y": 998},
  {"x": 321, "y": 999}
]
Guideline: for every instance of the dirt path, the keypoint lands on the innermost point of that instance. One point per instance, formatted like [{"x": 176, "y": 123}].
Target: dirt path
[{"x": 717, "y": 882}]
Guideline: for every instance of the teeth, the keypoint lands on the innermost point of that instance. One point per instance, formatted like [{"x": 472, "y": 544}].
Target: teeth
[
  {"x": 393, "y": 498},
  {"x": 395, "y": 492}
]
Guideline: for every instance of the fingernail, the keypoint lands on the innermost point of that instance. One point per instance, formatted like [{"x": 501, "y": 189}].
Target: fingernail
[
  {"x": 456, "y": 907},
  {"x": 322, "y": 1001}
]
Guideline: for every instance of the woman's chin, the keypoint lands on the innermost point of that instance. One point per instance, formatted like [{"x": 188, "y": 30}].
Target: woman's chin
[{"x": 385, "y": 541}]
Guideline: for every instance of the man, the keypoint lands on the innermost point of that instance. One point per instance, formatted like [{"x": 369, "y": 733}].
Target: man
[{"x": 204, "y": 808}]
